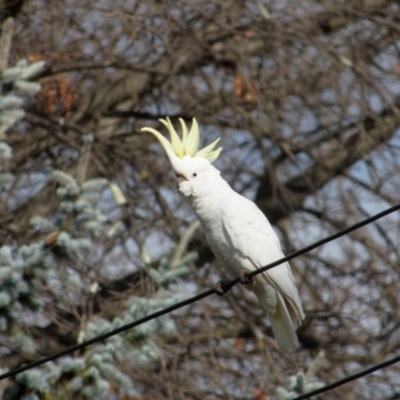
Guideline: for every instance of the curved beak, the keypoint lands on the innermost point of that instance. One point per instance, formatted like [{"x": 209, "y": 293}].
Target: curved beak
[{"x": 181, "y": 179}]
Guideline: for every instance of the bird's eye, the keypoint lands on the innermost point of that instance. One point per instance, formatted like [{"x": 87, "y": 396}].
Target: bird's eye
[{"x": 194, "y": 174}]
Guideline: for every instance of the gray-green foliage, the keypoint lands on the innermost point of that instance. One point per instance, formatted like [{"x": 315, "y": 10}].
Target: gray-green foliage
[
  {"x": 69, "y": 236},
  {"x": 301, "y": 383},
  {"x": 35, "y": 264},
  {"x": 15, "y": 85},
  {"x": 79, "y": 199},
  {"x": 142, "y": 338},
  {"x": 88, "y": 376},
  {"x": 88, "y": 219},
  {"x": 298, "y": 386},
  {"x": 18, "y": 281},
  {"x": 168, "y": 272}
]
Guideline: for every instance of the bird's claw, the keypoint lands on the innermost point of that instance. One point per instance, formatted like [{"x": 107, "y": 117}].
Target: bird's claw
[
  {"x": 225, "y": 285},
  {"x": 244, "y": 277},
  {"x": 222, "y": 287}
]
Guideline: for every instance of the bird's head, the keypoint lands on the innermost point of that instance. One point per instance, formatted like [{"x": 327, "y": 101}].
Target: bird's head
[{"x": 191, "y": 165}]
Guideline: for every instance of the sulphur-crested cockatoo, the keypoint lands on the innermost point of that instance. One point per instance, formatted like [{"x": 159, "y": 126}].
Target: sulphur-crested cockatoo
[{"x": 237, "y": 231}]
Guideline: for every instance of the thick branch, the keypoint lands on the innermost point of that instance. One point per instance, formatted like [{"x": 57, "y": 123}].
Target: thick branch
[{"x": 291, "y": 195}]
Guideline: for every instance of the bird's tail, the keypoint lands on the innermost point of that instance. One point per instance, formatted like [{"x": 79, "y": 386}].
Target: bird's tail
[{"x": 283, "y": 323}]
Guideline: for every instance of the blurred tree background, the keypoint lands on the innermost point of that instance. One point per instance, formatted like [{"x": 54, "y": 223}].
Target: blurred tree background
[{"x": 305, "y": 96}]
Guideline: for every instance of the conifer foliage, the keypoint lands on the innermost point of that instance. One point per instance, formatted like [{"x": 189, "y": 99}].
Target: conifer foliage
[{"x": 94, "y": 234}]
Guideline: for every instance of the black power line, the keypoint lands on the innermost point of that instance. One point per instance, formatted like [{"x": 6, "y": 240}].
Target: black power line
[
  {"x": 104, "y": 336},
  {"x": 313, "y": 246},
  {"x": 226, "y": 286},
  {"x": 349, "y": 378}
]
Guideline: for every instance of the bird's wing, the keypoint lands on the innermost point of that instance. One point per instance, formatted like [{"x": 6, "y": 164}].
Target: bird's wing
[{"x": 250, "y": 234}]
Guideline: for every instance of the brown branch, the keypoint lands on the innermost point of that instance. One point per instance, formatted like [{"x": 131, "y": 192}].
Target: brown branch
[{"x": 336, "y": 160}]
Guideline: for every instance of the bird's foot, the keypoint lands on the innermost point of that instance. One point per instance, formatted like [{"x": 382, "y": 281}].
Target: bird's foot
[
  {"x": 222, "y": 287},
  {"x": 244, "y": 277}
]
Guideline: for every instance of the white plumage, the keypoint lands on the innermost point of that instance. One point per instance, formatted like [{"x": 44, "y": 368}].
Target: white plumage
[{"x": 238, "y": 233}]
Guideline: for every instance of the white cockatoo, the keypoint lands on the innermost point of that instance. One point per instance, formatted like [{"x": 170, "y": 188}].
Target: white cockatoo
[{"x": 238, "y": 233}]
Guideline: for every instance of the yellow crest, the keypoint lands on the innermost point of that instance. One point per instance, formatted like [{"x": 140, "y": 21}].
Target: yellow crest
[{"x": 189, "y": 144}]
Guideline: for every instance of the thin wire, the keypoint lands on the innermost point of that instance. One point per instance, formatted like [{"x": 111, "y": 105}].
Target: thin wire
[
  {"x": 313, "y": 246},
  {"x": 349, "y": 378},
  {"x": 226, "y": 286},
  {"x": 104, "y": 336}
]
